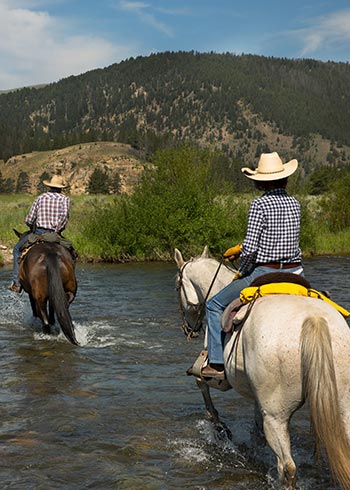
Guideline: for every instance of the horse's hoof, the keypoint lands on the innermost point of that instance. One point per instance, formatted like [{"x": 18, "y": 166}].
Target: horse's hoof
[{"x": 223, "y": 432}]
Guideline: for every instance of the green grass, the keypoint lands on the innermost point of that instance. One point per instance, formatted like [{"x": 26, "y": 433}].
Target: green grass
[
  {"x": 330, "y": 243},
  {"x": 95, "y": 222},
  {"x": 14, "y": 210},
  {"x": 16, "y": 206}
]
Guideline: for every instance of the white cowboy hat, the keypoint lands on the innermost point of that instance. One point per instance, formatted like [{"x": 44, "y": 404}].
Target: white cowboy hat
[
  {"x": 271, "y": 167},
  {"x": 56, "y": 181}
]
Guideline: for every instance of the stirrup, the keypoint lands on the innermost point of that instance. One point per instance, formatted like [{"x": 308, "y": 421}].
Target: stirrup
[
  {"x": 199, "y": 364},
  {"x": 196, "y": 370},
  {"x": 15, "y": 288}
]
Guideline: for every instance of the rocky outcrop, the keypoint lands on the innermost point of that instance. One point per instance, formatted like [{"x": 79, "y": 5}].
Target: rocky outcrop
[{"x": 76, "y": 163}]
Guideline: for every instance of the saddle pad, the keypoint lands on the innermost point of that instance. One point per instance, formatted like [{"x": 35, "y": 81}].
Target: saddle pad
[
  {"x": 253, "y": 292},
  {"x": 278, "y": 276},
  {"x": 49, "y": 237}
]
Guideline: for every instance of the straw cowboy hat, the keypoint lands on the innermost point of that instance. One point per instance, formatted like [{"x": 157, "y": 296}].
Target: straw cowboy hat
[
  {"x": 56, "y": 181},
  {"x": 271, "y": 167}
]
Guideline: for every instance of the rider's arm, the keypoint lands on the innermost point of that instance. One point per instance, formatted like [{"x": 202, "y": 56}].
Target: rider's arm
[
  {"x": 64, "y": 214},
  {"x": 251, "y": 242},
  {"x": 32, "y": 215}
]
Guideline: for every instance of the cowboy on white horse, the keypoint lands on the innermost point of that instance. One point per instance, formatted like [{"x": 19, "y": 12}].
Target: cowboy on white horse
[{"x": 271, "y": 244}]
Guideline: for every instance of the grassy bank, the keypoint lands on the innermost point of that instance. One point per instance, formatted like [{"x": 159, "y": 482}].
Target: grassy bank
[
  {"x": 16, "y": 206},
  {"x": 105, "y": 228},
  {"x": 185, "y": 200}
]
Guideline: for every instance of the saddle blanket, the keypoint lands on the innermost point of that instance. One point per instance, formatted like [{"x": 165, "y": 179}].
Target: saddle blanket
[
  {"x": 253, "y": 292},
  {"x": 50, "y": 237}
]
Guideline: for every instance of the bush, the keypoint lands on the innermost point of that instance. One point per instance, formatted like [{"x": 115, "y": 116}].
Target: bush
[
  {"x": 175, "y": 205},
  {"x": 336, "y": 204}
]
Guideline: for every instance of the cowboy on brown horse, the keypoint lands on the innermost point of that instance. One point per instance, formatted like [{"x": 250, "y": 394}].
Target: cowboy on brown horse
[{"x": 49, "y": 214}]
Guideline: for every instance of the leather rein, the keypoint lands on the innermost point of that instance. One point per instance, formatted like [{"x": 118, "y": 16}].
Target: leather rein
[{"x": 194, "y": 331}]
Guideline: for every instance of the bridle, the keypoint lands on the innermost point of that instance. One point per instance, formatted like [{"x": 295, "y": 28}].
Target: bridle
[{"x": 198, "y": 308}]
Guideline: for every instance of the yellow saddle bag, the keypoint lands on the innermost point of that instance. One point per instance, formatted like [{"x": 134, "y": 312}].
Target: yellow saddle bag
[{"x": 253, "y": 292}]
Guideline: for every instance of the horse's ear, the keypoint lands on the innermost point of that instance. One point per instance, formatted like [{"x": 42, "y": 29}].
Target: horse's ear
[
  {"x": 18, "y": 233},
  {"x": 178, "y": 258},
  {"x": 205, "y": 252}
]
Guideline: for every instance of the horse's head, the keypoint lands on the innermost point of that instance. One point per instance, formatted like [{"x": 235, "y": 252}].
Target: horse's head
[{"x": 191, "y": 304}]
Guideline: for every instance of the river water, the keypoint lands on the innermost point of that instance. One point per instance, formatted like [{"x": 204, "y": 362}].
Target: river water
[{"x": 119, "y": 412}]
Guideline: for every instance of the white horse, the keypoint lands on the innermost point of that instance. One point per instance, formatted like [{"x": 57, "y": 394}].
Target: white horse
[{"x": 291, "y": 350}]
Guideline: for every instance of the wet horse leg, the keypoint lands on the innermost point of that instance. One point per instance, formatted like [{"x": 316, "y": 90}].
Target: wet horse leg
[
  {"x": 40, "y": 306},
  {"x": 277, "y": 436},
  {"x": 258, "y": 436},
  {"x": 212, "y": 413},
  {"x": 51, "y": 315},
  {"x": 33, "y": 305}
]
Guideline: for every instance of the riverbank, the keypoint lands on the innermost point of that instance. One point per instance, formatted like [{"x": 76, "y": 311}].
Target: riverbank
[
  {"x": 111, "y": 229},
  {"x": 6, "y": 255},
  {"x": 342, "y": 249}
]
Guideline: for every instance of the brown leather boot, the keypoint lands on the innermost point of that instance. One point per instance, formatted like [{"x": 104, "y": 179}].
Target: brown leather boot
[
  {"x": 213, "y": 371},
  {"x": 16, "y": 288}
]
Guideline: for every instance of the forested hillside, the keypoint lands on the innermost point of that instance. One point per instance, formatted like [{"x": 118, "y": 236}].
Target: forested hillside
[{"x": 240, "y": 105}]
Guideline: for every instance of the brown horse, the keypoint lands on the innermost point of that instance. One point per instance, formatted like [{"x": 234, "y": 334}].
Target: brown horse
[{"x": 47, "y": 274}]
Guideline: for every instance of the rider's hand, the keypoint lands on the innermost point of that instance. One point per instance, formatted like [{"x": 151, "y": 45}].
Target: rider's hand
[
  {"x": 236, "y": 276},
  {"x": 233, "y": 253}
]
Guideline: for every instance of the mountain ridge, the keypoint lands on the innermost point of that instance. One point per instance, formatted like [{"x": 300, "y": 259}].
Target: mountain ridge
[{"x": 240, "y": 105}]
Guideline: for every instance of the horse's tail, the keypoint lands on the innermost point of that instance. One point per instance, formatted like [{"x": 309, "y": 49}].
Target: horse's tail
[
  {"x": 320, "y": 388},
  {"x": 58, "y": 299}
]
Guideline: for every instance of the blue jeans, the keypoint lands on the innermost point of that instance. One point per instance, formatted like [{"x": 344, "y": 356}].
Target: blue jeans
[
  {"x": 17, "y": 253},
  {"x": 216, "y": 305}
]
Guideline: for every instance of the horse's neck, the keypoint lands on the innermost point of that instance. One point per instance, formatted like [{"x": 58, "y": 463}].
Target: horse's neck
[{"x": 208, "y": 273}]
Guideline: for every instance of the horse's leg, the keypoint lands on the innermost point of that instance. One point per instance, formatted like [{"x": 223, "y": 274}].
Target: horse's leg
[
  {"x": 70, "y": 297},
  {"x": 212, "y": 413},
  {"x": 40, "y": 304},
  {"x": 69, "y": 284},
  {"x": 33, "y": 305},
  {"x": 259, "y": 438},
  {"x": 277, "y": 436},
  {"x": 51, "y": 314}
]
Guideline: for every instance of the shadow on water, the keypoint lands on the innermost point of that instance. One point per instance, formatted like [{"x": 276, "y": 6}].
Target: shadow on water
[{"x": 119, "y": 412}]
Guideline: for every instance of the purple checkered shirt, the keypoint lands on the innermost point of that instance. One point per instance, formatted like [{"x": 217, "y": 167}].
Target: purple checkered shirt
[
  {"x": 49, "y": 210},
  {"x": 273, "y": 231}
]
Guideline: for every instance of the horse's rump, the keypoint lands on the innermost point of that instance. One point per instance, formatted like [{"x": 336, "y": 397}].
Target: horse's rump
[
  {"x": 47, "y": 275},
  {"x": 271, "y": 336}
]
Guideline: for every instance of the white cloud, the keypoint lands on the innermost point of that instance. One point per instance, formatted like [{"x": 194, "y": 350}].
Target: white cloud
[
  {"x": 325, "y": 32},
  {"x": 36, "y": 48},
  {"x": 143, "y": 11},
  {"x": 125, "y": 4}
]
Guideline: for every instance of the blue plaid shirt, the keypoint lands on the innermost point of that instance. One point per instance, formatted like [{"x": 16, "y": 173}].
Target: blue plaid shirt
[{"x": 273, "y": 231}]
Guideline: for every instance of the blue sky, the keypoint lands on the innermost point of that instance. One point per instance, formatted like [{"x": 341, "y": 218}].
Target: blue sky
[{"x": 43, "y": 41}]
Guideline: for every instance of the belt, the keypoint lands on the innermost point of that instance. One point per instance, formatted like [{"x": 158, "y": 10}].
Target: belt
[
  {"x": 46, "y": 230},
  {"x": 278, "y": 265}
]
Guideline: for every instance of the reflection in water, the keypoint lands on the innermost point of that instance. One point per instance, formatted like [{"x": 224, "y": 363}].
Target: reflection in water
[{"x": 118, "y": 411}]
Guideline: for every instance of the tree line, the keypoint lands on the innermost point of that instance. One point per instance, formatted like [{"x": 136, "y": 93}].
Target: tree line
[
  {"x": 100, "y": 182},
  {"x": 194, "y": 97}
]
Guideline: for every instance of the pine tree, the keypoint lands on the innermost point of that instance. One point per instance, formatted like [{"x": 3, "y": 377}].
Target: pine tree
[
  {"x": 98, "y": 182},
  {"x": 23, "y": 183}
]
